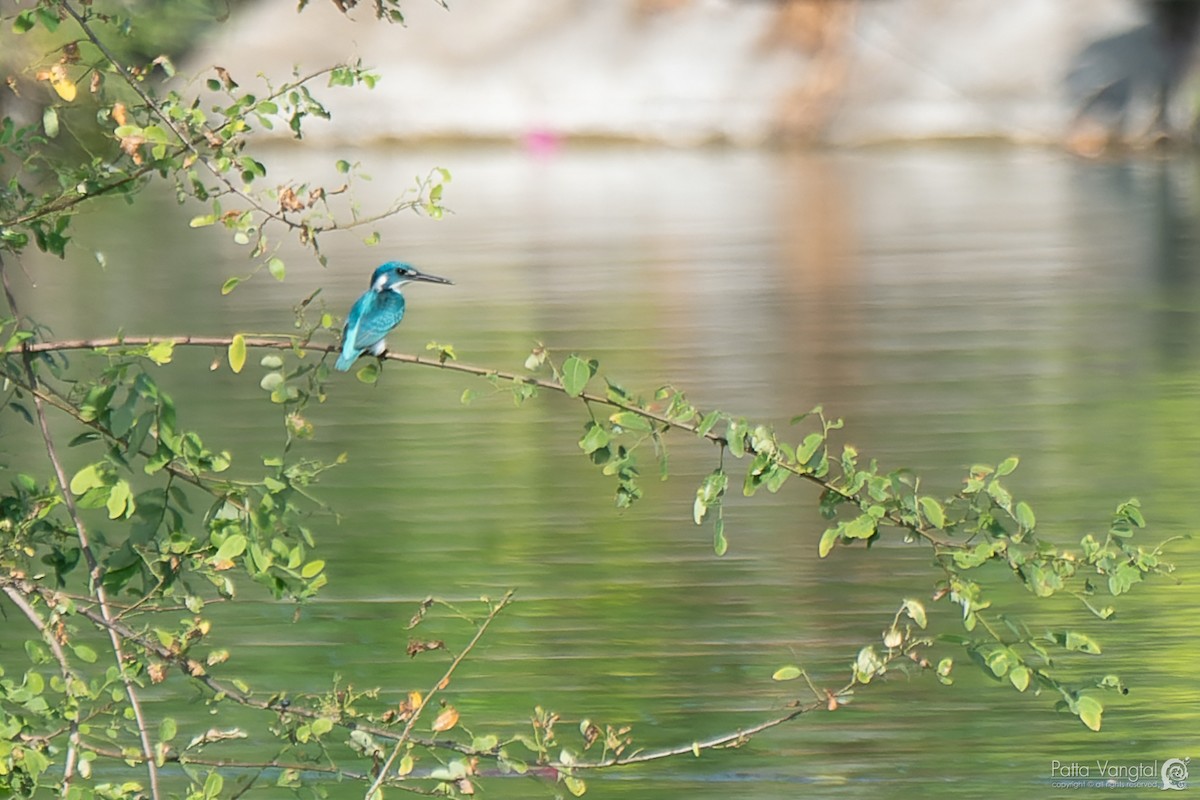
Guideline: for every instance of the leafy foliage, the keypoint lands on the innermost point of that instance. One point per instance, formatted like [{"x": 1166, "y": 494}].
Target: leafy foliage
[{"x": 111, "y": 616}]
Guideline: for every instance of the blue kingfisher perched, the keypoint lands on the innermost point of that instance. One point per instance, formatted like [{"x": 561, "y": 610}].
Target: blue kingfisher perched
[{"x": 380, "y": 309}]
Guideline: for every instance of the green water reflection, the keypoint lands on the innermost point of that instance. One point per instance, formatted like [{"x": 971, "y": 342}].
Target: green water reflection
[{"x": 955, "y": 305}]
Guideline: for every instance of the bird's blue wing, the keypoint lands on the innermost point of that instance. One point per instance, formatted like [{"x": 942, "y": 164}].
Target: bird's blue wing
[
  {"x": 370, "y": 319},
  {"x": 383, "y": 311}
]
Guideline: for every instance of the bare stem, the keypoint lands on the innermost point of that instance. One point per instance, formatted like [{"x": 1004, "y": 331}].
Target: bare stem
[{"x": 442, "y": 683}]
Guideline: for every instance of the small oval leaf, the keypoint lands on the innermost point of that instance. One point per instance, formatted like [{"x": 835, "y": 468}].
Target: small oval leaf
[
  {"x": 237, "y": 353},
  {"x": 446, "y": 720},
  {"x": 788, "y": 673}
]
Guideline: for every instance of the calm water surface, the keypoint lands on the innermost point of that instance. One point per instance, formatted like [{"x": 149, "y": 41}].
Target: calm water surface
[{"x": 953, "y": 305}]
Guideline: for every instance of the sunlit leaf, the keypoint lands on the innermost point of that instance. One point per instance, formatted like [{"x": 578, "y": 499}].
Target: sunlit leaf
[
  {"x": 87, "y": 478},
  {"x": 1090, "y": 711},
  {"x": 445, "y": 720},
  {"x": 828, "y": 540},
  {"x": 916, "y": 611},
  {"x": 933, "y": 512},
  {"x": 789, "y": 673},
  {"x": 237, "y": 353},
  {"x": 231, "y": 548},
  {"x": 50, "y": 122}
]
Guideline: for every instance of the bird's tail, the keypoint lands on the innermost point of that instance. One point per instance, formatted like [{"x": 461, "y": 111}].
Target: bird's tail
[{"x": 345, "y": 361}]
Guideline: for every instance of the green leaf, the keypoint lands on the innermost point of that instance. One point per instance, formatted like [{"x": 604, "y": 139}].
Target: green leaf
[
  {"x": 271, "y": 361},
  {"x": 369, "y": 373},
  {"x": 85, "y": 653},
  {"x": 789, "y": 673},
  {"x": 630, "y": 421},
  {"x": 312, "y": 569},
  {"x": 1089, "y": 710},
  {"x": 720, "y": 545},
  {"x": 1007, "y": 466},
  {"x": 862, "y": 527},
  {"x": 574, "y": 785},
  {"x": 276, "y": 268},
  {"x": 594, "y": 438},
  {"x": 1025, "y": 517},
  {"x": 706, "y": 424},
  {"x": 916, "y": 611},
  {"x": 232, "y": 547},
  {"x": 1019, "y": 678},
  {"x": 213, "y": 785},
  {"x": 24, "y": 22},
  {"x": 237, "y": 353},
  {"x": 202, "y": 221},
  {"x": 321, "y": 726},
  {"x": 50, "y": 122},
  {"x": 575, "y": 375},
  {"x": 1123, "y": 578},
  {"x": 120, "y": 500},
  {"x": 167, "y": 729},
  {"x": 87, "y": 478},
  {"x": 161, "y": 352},
  {"x": 1082, "y": 643},
  {"x": 229, "y": 285},
  {"x": 828, "y": 540},
  {"x": 271, "y": 381},
  {"x": 808, "y": 448},
  {"x": 933, "y": 512}
]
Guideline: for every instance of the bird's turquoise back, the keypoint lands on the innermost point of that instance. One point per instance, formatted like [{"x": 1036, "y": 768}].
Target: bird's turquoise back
[{"x": 370, "y": 319}]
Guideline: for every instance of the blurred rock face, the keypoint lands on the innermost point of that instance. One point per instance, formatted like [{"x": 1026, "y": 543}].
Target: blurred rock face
[{"x": 742, "y": 71}]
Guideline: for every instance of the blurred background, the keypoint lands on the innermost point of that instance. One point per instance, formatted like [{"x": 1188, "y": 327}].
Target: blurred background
[
  {"x": 969, "y": 227},
  {"x": 747, "y": 72}
]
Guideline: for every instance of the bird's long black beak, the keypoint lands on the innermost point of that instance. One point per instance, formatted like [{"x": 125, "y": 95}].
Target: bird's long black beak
[{"x": 427, "y": 278}]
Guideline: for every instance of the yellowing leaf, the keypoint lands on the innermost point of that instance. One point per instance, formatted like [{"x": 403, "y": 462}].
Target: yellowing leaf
[
  {"x": 1090, "y": 711},
  {"x": 63, "y": 85},
  {"x": 446, "y": 720},
  {"x": 789, "y": 673},
  {"x": 161, "y": 352},
  {"x": 237, "y": 353}
]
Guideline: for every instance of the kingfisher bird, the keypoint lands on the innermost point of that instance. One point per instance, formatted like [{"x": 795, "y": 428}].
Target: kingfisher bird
[{"x": 380, "y": 309}]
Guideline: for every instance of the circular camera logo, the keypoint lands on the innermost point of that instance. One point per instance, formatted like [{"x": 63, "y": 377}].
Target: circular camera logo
[{"x": 1175, "y": 773}]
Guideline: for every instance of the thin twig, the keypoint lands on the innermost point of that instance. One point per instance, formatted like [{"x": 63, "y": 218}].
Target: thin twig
[
  {"x": 442, "y": 682},
  {"x": 173, "y": 757}
]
